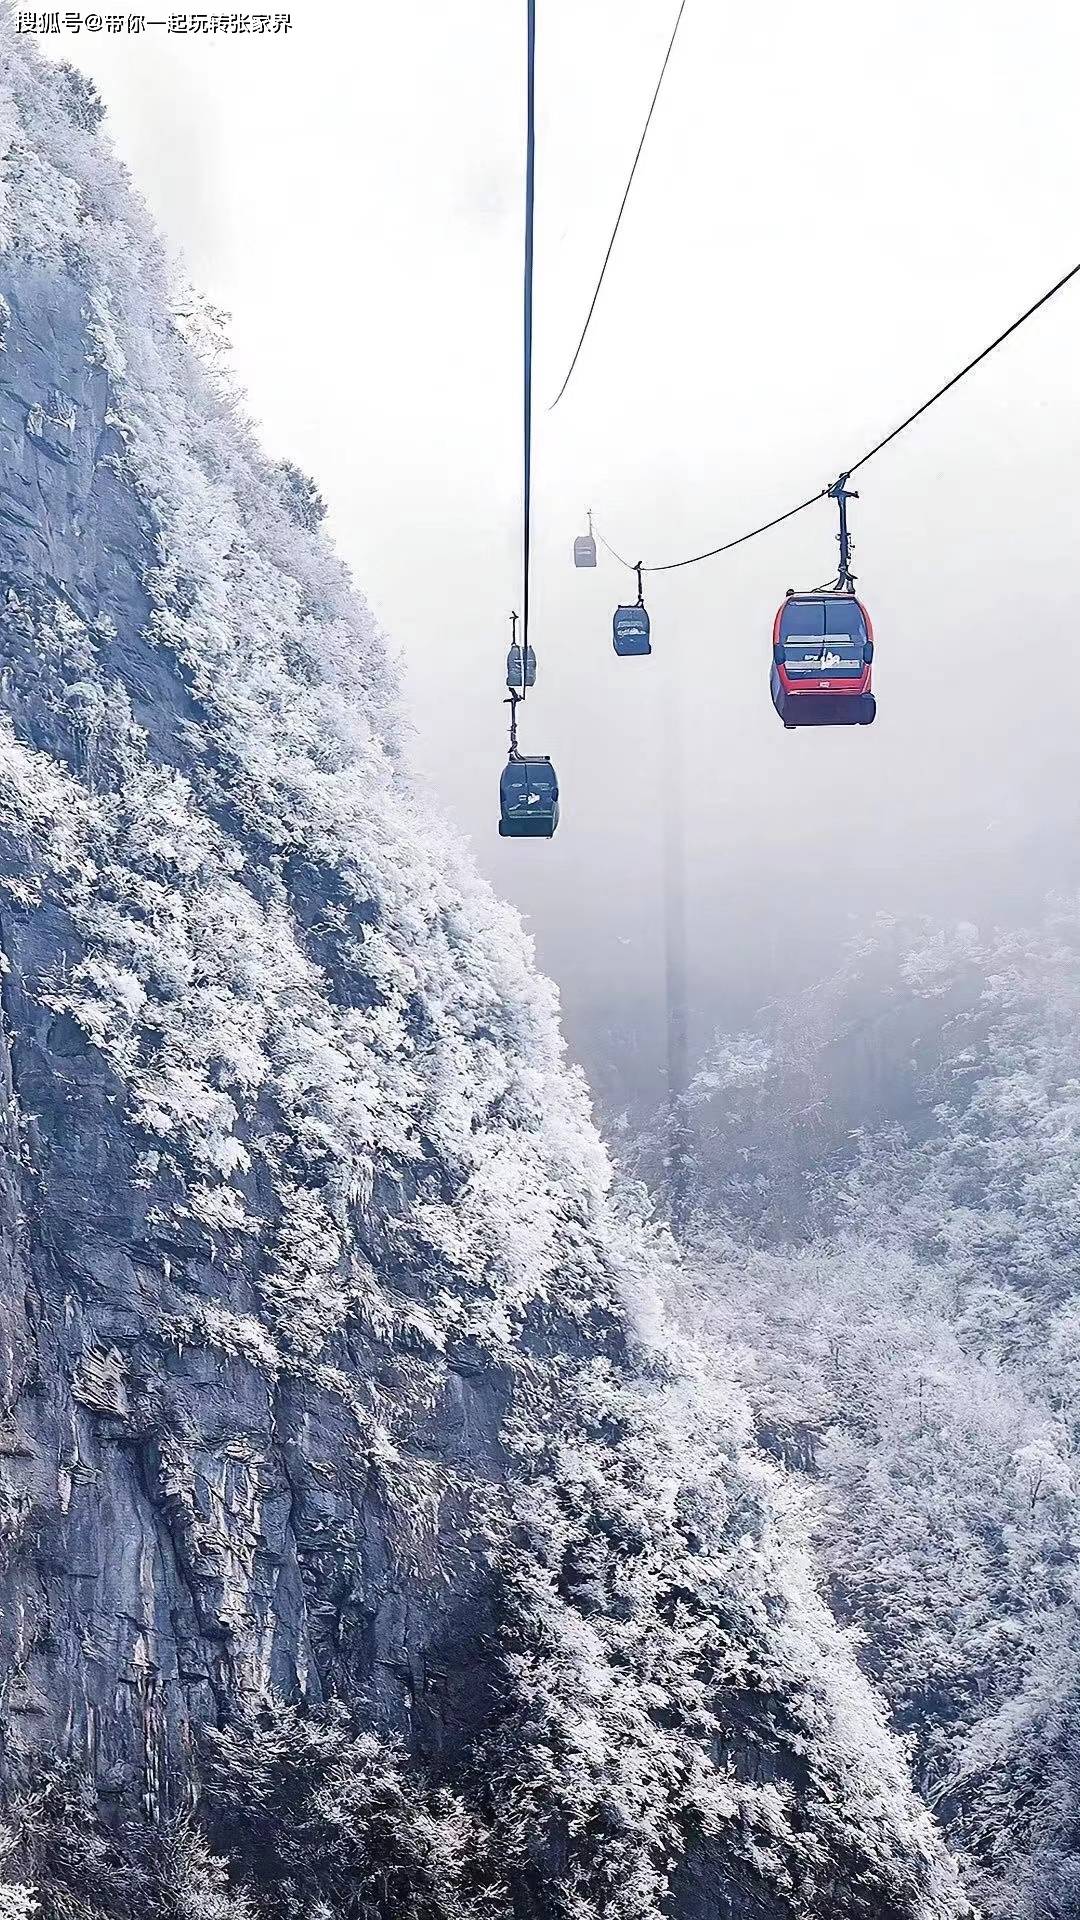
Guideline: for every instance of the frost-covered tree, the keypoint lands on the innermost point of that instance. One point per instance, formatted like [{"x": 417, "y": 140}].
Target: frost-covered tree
[
  {"x": 301, "y": 495},
  {"x": 80, "y": 97}
]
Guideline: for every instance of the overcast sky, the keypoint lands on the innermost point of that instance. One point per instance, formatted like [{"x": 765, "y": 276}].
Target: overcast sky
[{"x": 837, "y": 206}]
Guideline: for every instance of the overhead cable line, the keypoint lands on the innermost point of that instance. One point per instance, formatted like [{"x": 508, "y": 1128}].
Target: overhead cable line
[
  {"x": 530, "y": 188},
  {"x": 710, "y": 553},
  {"x": 971, "y": 365},
  {"x": 521, "y": 654},
  {"x": 622, "y": 208},
  {"x": 637, "y": 566}
]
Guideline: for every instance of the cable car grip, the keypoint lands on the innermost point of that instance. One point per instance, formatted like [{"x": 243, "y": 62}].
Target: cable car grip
[{"x": 841, "y": 493}]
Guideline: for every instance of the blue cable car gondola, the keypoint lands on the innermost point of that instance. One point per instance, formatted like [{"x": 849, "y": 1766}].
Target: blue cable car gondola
[
  {"x": 528, "y": 798},
  {"x": 514, "y": 666},
  {"x": 585, "y": 547},
  {"x": 630, "y": 626},
  {"x": 630, "y": 631}
]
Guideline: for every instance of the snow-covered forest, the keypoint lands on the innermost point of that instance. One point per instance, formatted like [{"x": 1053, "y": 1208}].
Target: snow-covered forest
[{"x": 885, "y": 1176}]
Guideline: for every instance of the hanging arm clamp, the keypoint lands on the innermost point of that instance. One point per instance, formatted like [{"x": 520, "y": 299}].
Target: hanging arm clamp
[
  {"x": 515, "y": 694},
  {"x": 518, "y": 691},
  {"x": 511, "y": 701},
  {"x": 842, "y": 493}
]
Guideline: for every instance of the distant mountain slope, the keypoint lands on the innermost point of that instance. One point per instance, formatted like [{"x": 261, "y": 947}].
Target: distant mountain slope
[{"x": 889, "y": 1236}]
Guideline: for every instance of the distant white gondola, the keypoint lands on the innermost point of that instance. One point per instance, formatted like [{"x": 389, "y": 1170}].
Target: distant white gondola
[{"x": 585, "y": 548}]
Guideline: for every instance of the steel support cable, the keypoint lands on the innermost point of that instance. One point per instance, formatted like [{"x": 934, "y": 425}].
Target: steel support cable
[
  {"x": 530, "y": 184},
  {"x": 971, "y": 365},
  {"x": 622, "y": 209},
  {"x": 670, "y": 566},
  {"x": 517, "y": 695},
  {"x": 711, "y": 552}
]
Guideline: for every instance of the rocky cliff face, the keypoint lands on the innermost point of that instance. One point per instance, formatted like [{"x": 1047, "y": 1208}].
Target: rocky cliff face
[{"x": 361, "y": 1551}]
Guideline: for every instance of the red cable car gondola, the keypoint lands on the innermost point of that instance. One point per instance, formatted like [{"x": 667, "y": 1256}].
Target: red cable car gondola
[
  {"x": 823, "y": 647},
  {"x": 823, "y": 651}
]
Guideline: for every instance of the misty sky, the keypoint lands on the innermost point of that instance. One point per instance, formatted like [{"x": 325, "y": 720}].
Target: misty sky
[{"x": 837, "y": 206}]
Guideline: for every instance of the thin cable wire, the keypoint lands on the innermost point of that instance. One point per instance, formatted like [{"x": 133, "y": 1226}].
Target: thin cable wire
[
  {"x": 517, "y": 695},
  {"x": 628, "y": 564},
  {"x": 957, "y": 377},
  {"x": 530, "y": 169},
  {"x": 622, "y": 209},
  {"x": 711, "y": 552},
  {"x": 671, "y": 565}
]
